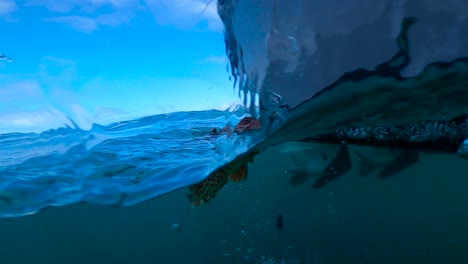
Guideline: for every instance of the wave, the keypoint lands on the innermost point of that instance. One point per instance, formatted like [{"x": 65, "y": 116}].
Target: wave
[{"x": 120, "y": 164}]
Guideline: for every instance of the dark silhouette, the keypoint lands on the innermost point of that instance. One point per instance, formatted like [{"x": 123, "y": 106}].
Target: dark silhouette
[{"x": 279, "y": 222}]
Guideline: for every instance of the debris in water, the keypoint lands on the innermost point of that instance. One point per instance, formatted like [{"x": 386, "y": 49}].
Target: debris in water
[
  {"x": 176, "y": 228},
  {"x": 279, "y": 222}
]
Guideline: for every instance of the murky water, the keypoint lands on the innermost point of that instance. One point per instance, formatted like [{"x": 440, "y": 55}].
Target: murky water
[{"x": 417, "y": 216}]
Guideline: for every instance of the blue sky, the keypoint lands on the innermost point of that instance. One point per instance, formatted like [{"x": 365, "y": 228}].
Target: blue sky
[{"x": 108, "y": 60}]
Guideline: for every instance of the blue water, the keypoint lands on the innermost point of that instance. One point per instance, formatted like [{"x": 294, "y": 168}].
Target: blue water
[{"x": 121, "y": 164}]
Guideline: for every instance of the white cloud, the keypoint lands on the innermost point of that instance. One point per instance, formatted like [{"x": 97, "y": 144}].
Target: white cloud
[
  {"x": 82, "y": 15},
  {"x": 65, "y": 6},
  {"x": 186, "y": 14},
  {"x": 85, "y": 15},
  {"x": 7, "y": 7},
  {"x": 90, "y": 24},
  {"x": 57, "y": 61},
  {"x": 113, "y": 19},
  {"x": 79, "y": 23},
  {"x": 56, "y": 6}
]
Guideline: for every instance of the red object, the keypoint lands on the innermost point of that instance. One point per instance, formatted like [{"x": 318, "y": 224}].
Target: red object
[{"x": 247, "y": 123}]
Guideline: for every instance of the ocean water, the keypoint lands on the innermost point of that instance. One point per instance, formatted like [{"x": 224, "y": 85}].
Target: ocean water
[
  {"x": 417, "y": 216},
  {"x": 117, "y": 193},
  {"x": 119, "y": 165}
]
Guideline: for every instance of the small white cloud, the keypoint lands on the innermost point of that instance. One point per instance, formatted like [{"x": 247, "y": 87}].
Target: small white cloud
[
  {"x": 186, "y": 14},
  {"x": 65, "y": 6},
  {"x": 79, "y": 23},
  {"x": 89, "y": 24},
  {"x": 113, "y": 19},
  {"x": 57, "y": 61},
  {"x": 82, "y": 15},
  {"x": 7, "y": 7}
]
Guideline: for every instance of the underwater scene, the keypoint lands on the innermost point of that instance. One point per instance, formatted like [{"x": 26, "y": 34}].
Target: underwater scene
[{"x": 234, "y": 131}]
